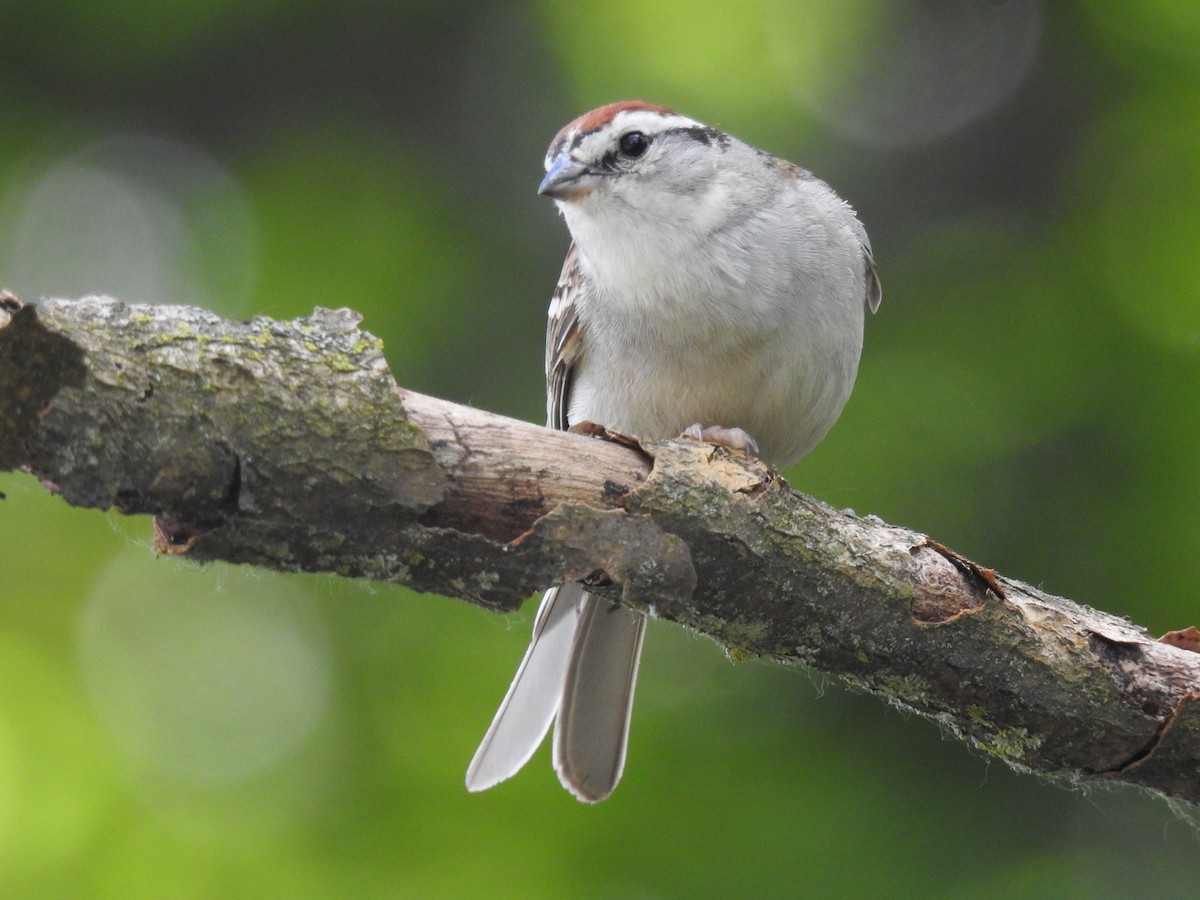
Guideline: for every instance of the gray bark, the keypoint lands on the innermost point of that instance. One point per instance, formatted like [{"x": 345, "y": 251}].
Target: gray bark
[{"x": 287, "y": 445}]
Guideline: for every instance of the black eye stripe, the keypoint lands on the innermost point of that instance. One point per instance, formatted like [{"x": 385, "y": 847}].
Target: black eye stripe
[
  {"x": 703, "y": 134},
  {"x": 615, "y": 158}
]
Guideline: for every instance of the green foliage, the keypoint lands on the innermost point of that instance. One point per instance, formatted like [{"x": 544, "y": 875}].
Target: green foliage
[{"x": 1028, "y": 396}]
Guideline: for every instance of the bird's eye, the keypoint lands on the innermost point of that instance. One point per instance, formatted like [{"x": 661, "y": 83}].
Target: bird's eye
[{"x": 633, "y": 144}]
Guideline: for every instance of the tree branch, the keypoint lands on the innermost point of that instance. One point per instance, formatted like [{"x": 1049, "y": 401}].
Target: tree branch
[{"x": 288, "y": 445}]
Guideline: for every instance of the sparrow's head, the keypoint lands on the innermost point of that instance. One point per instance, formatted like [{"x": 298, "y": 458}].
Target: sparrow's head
[{"x": 632, "y": 155}]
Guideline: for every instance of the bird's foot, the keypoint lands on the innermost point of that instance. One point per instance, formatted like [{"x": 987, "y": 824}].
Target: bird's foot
[{"x": 719, "y": 436}]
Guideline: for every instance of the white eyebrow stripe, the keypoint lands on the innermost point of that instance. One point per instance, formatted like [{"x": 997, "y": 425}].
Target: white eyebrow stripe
[{"x": 651, "y": 121}]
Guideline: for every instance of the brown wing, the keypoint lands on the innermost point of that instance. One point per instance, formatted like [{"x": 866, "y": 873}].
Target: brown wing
[{"x": 564, "y": 340}]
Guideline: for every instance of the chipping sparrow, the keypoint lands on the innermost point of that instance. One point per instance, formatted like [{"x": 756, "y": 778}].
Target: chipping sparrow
[{"x": 708, "y": 284}]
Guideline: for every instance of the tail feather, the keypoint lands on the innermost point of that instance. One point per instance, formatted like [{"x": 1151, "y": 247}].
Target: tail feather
[
  {"x": 528, "y": 708},
  {"x": 592, "y": 728}
]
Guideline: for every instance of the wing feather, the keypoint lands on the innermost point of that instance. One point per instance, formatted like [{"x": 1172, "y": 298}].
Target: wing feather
[{"x": 564, "y": 340}]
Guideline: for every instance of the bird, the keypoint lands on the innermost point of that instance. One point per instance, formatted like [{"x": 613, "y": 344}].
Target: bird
[{"x": 711, "y": 289}]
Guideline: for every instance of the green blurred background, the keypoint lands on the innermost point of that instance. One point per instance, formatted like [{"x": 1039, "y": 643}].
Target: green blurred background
[{"x": 1030, "y": 175}]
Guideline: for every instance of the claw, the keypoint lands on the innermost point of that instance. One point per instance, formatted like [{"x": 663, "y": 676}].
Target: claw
[{"x": 718, "y": 436}]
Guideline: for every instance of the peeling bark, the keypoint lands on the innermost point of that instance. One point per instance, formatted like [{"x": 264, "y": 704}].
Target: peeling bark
[{"x": 287, "y": 445}]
